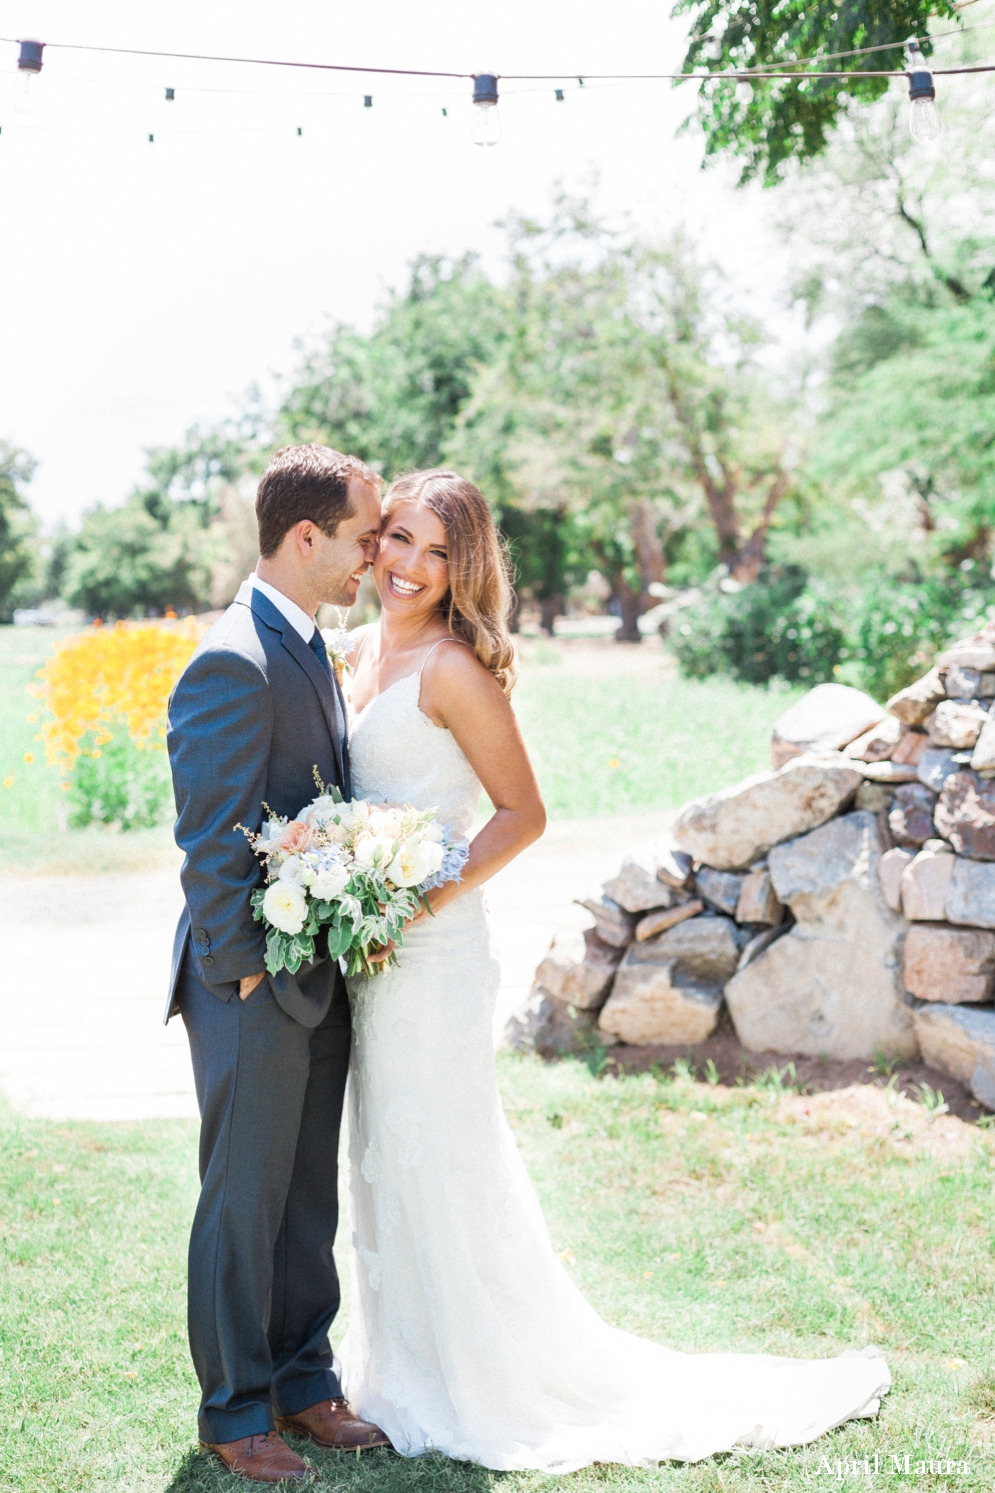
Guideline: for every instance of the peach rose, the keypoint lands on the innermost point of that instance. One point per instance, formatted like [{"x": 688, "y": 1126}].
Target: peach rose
[{"x": 296, "y": 838}]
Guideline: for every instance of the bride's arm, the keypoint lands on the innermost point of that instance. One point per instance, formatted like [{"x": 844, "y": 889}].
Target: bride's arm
[{"x": 458, "y": 692}]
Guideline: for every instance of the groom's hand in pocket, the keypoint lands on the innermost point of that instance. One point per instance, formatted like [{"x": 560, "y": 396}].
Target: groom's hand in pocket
[{"x": 248, "y": 985}]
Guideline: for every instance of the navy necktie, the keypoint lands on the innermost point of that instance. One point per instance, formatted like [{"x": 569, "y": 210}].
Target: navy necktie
[{"x": 317, "y": 647}]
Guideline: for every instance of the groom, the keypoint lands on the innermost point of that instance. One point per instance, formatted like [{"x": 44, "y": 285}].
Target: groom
[{"x": 255, "y": 712}]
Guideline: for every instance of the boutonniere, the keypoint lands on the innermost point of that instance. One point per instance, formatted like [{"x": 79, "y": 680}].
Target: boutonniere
[{"x": 339, "y": 643}]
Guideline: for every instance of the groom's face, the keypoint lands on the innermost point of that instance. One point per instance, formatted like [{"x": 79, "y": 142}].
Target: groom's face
[{"x": 343, "y": 558}]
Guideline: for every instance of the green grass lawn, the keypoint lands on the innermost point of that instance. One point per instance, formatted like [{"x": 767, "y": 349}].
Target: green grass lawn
[
  {"x": 607, "y": 746},
  {"x": 708, "y": 1218}
]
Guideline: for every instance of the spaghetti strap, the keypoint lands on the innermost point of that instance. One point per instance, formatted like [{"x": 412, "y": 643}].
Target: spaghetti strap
[{"x": 437, "y": 645}]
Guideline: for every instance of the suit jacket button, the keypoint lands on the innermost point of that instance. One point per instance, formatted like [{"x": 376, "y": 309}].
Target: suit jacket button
[
  {"x": 208, "y": 959},
  {"x": 201, "y": 933}
]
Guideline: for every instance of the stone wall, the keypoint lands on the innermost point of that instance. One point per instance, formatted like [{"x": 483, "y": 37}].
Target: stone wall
[{"x": 842, "y": 904}]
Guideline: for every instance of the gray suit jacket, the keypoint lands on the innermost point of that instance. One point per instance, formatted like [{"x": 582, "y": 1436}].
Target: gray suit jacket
[{"x": 251, "y": 717}]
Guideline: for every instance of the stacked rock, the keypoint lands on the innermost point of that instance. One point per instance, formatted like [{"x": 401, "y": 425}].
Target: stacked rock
[{"x": 842, "y": 904}]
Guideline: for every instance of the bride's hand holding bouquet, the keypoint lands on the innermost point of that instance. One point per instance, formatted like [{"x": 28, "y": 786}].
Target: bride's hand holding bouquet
[{"x": 354, "y": 873}]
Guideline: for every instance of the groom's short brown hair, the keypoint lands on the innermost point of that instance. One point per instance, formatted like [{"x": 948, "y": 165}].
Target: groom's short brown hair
[{"x": 306, "y": 482}]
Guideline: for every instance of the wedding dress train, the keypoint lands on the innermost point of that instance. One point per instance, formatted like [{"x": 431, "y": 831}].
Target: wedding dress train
[{"x": 467, "y": 1336}]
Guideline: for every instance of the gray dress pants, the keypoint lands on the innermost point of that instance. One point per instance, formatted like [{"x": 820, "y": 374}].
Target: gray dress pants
[{"x": 263, "y": 1287}]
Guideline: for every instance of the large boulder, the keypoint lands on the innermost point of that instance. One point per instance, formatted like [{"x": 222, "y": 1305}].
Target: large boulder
[
  {"x": 953, "y": 965},
  {"x": 758, "y": 901},
  {"x": 720, "y": 889},
  {"x": 971, "y": 895},
  {"x": 731, "y": 829},
  {"x": 669, "y": 989},
  {"x": 613, "y": 925},
  {"x": 877, "y": 744},
  {"x": 636, "y": 888},
  {"x": 827, "y": 718},
  {"x": 548, "y": 1027},
  {"x": 956, "y": 724},
  {"x": 936, "y": 765},
  {"x": 579, "y": 969},
  {"x": 960, "y": 1041},
  {"x": 891, "y": 868},
  {"x": 911, "y": 818},
  {"x": 965, "y": 815},
  {"x": 832, "y": 985},
  {"x": 926, "y": 882},
  {"x": 914, "y": 704},
  {"x": 666, "y": 917}
]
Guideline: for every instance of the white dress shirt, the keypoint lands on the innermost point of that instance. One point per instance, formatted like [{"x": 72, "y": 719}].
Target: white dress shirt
[{"x": 299, "y": 620}]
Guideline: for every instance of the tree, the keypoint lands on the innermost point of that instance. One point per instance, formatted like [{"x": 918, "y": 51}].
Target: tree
[
  {"x": 17, "y": 526},
  {"x": 149, "y": 555},
  {"x": 785, "y": 120},
  {"x": 906, "y": 261},
  {"x": 627, "y": 394},
  {"x": 392, "y": 397}
]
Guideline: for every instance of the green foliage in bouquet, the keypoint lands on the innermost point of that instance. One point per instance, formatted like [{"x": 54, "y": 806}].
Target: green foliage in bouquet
[
  {"x": 119, "y": 783},
  {"x": 783, "y": 626}
]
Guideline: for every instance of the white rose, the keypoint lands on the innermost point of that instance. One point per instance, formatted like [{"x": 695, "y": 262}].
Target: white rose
[
  {"x": 321, "y": 812},
  {"x": 434, "y": 832},
  {"x": 386, "y": 822},
  {"x": 292, "y": 871},
  {"x": 269, "y": 834},
  {"x": 328, "y": 884},
  {"x": 371, "y": 850},
  {"x": 285, "y": 906},
  {"x": 356, "y": 812},
  {"x": 413, "y": 862}
]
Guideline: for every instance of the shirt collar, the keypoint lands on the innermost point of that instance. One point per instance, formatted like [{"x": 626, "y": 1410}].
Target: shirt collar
[{"x": 298, "y": 619}]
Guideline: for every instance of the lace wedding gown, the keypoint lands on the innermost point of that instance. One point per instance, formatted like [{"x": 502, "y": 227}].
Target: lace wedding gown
[{"x": 467, "y": 1336}]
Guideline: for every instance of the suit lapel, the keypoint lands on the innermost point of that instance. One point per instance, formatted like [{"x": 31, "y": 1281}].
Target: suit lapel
[{"x": 299, "y": 651}]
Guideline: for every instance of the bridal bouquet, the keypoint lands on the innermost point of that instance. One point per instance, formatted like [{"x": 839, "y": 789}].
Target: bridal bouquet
[{"x": 356, "y": 870}]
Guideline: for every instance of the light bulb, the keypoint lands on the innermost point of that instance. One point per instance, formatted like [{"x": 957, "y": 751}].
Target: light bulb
[
  {"x": 29, "y": 67},
  {"x": 486, "y": 119},
  {"x": 744, "y": 91},
  {"x": 924, "y": 119},
  {"x": 924, "y": 116}
]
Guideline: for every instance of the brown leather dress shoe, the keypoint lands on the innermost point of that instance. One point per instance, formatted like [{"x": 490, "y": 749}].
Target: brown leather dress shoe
[
  {"x": 333, "y": 1425},
  {"x": 261, "y": 1459}
]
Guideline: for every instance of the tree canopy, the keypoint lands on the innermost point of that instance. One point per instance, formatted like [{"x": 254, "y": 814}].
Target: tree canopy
[{"x": 784, "y": 120}]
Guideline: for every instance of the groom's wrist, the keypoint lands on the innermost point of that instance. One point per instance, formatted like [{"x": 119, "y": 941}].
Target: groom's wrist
[{"x": 248, "y": 984}]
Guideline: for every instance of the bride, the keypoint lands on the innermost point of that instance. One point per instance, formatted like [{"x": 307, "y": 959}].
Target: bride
[{"x": 467, "y": 1336}]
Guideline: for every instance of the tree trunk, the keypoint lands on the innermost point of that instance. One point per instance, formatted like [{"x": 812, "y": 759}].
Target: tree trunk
[
  {"x": 650, "y": 557},
  {"x": 745, "y": 566},
  {"x": 629, "y": 606},
  {"x": 550, "y": 607}
]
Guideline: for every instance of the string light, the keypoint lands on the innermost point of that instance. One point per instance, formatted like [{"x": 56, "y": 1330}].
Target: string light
[
  {"x": 29, "y": 64},
  {"x": 170, "y": 95},
  {"x": 486, "y": 119},
  {"x": 367, "y": 101},
  {"x": 924, "y": 116},
  {"x": 559, "y": 95}
]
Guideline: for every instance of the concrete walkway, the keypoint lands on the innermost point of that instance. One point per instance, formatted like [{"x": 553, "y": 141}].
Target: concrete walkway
[{"x": 85, "y": 964}]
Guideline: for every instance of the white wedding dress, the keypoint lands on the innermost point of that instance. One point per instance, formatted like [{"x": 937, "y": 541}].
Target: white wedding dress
[{"x": 466, "y": 1334}]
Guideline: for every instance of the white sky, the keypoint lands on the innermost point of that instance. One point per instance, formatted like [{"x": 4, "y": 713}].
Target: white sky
[{"x": 144, "y": 286}]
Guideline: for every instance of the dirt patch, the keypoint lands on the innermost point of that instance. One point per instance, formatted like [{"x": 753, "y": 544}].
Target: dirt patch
[
  {"x": 884, "y": 1114},
  {"x": 736, "y": 1065}
]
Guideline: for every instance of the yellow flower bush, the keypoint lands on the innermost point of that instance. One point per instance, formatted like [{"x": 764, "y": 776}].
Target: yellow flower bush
[{"x": 108, "y": 678}]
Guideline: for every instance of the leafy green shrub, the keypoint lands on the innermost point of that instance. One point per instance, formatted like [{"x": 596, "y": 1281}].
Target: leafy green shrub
[
  {"x": 783, "y": 626},
  {"x": 119, "y": 782},
  {"x": 899, "y": 626}
]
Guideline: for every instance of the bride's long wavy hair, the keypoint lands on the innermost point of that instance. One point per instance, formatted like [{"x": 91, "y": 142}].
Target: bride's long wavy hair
[{"x": 478, "y": 604}]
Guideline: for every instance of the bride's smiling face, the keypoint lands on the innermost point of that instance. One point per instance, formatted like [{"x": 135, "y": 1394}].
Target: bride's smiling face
[{"x": 412, "y": 569}]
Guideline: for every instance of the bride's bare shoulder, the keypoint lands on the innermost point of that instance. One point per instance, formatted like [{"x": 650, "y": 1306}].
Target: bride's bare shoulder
[{"x": 454, "y": 676}]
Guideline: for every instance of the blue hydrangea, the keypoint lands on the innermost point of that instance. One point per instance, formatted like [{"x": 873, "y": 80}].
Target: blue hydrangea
[{"x": 453, "y": 861}]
